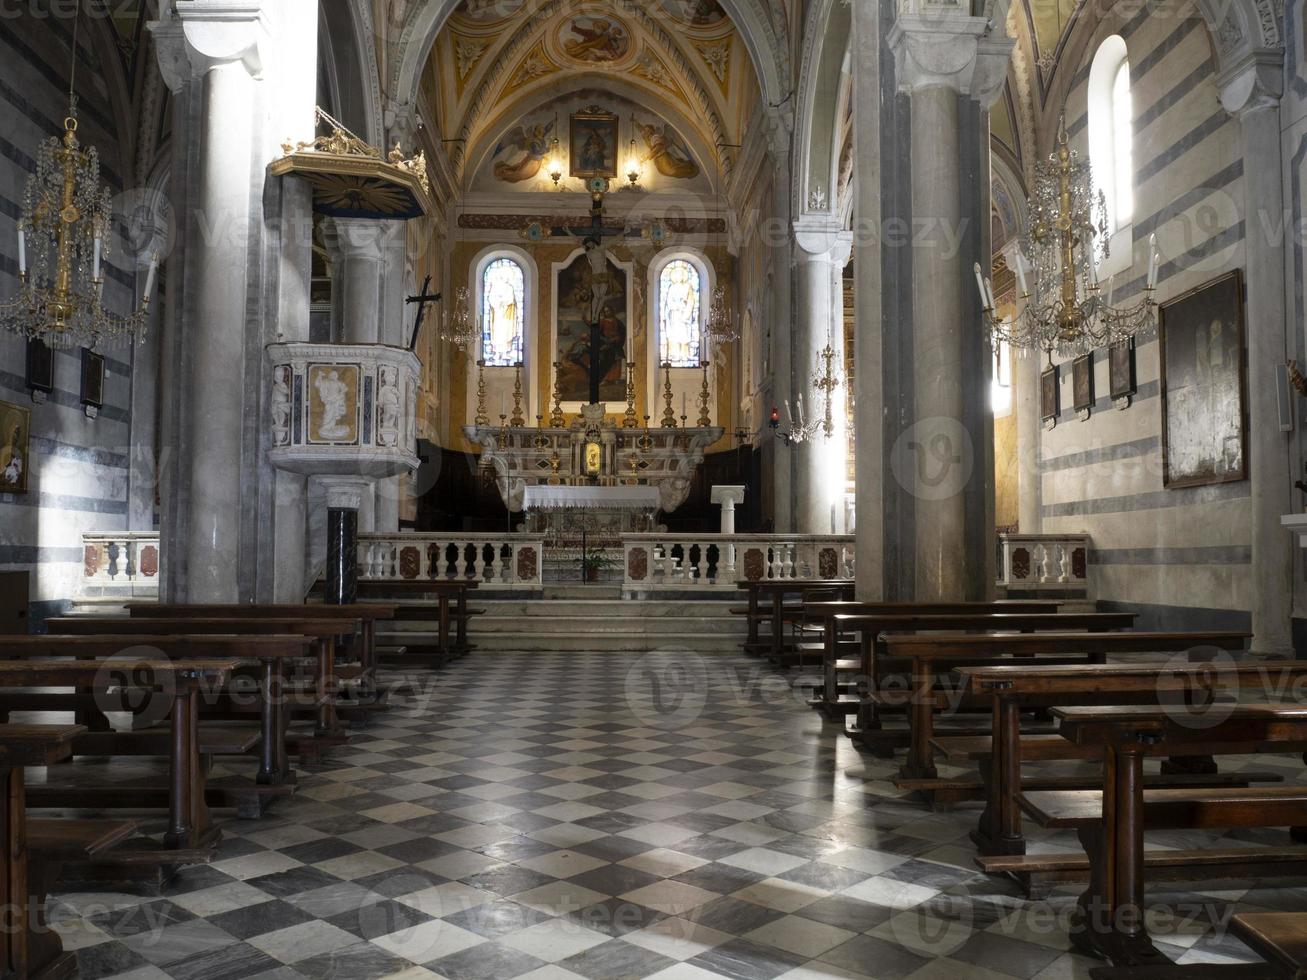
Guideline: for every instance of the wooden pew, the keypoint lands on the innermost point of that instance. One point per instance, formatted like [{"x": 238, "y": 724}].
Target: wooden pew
[
  {"x": 189, "y": 835},
  {"x": 451, "y": 613},
  {"x": 773, "y": 593},
  {"x": 324, "y": 630},
  {"x": 366, "y": 615},
  {"x": 1280, "y": 938},
  {"x": 826, "y": 616},
  {"x": 870, "y": 627},
  {"x": 33, "y": 849},
  {"x": 1013, "y": 689},
  {"x": 275, "y": 777},
  {"x": 927, "y": 652},
  {"x": 1110, "y": 919}
]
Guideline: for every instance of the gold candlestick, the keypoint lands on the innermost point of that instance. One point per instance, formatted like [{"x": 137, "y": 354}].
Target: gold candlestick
[
  {"x": 482, "y": 417},
  {"x": 517, "y": 421},
  {"x": 705, "y": 419},
  {"x": 557, "y": 419},
  {"x": 669, "y": 415},
  {"x": 631, "y": 421}
]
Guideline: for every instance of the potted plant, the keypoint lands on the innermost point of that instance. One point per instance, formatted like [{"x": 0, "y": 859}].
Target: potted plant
[{"x": 592, "y": 563}]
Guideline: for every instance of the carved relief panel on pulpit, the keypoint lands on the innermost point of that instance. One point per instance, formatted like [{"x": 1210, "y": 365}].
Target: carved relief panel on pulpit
[{"x": 343, "y": 408}]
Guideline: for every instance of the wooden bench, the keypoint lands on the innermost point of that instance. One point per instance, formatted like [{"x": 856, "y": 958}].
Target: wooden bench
[
  {"x": 1111, "y": 823},
  {"x": 927, "y": 652},
  {"x": 451, "y": 613},
  {"x": 32, "y": 851},
  {"x": 773, "y": 592},
  {"x": 365, "y": 614},
  {"x": 870, "y": 665},
  {"x": 323, "y": 630},
  {"x": 189, "y": 834},
  {"x": 1280, "y": 938}
]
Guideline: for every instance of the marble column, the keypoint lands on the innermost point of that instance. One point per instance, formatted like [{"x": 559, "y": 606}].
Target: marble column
[
  {"x": 946, "y": 61},
  {"x": 367, "y": 308},
  {"x": 780, "y": 324},
  {"x": 818, "y": 462},
  {"x": 224, "y": 44},
  {"x": 1251, "y": 90},
  {"x": 1030, "y": 491},
  {"x": 869, "y": 420},
  {"x": 345, "y": 497}
]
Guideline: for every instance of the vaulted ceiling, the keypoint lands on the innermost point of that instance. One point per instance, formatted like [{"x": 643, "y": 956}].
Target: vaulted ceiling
[{"x": 499, "y": 67}]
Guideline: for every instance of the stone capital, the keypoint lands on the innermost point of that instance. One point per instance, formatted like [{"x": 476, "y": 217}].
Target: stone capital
[
  {"x": 820, "y": 239},
  {"x": 944, "y": 46},
  {"x": 356, "y": 238},
  {"x": 221, "y": 32},
  {"x": 346, "y": 492},
  {"x": 727, "y": 495},
  {"x": 171, "y": 51},
  {"x": 1253, "y": 82}
]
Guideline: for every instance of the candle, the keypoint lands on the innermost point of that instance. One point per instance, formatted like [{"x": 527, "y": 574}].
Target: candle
[
  {"x": 980, "y": 285},
  {"x": 1021, "y": 274},
  {"x": 95, "y": 256},
  {"x": 149, "y": 276},
  {"x": 503, "y": 403},
  {"x": 1093, "y": 273},
  {"x": 22, "y": 250},
  {"x": 989, "y": 295},
  {"x": 789, "y": 416},
  {"x": 682, "y": 403},
  {"x": 1152, "y": 260}
]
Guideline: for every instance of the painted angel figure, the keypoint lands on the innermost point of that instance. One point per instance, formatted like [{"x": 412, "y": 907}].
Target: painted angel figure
[
  {"x": 524, "y": 149},
  {"x": 667, "y": 152}
]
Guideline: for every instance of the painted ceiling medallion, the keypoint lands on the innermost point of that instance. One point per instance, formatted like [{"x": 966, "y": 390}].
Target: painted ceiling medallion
[
  {"x": 717, "y": 56},
  {"x": 595, "y": 39},
  {"x": 488, "y": 11},
  {"x": 696, "y": 13}
]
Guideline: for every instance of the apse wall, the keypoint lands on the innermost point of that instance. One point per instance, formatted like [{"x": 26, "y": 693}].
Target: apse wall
[
  {"x": 1179, "y": 556},
  {"x": 78, "y": 467}
]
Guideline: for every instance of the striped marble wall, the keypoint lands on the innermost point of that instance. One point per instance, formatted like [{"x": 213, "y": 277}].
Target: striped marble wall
[
  {"x": 78, "y": 476},
  {"x": 1180, "y": 556}
]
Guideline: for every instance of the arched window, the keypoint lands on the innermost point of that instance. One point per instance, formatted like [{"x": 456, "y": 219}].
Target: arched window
[
  {"x": 1111, "y": 130},
  {"x": 680, "y": 313},
  {"x": 503, "y": 312}
]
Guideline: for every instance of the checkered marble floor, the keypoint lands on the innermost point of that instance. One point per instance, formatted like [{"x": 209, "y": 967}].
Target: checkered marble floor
[{"x": 609, "y": 816}]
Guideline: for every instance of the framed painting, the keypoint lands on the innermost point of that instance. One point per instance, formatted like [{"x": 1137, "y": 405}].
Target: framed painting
[
  {"x": 92, "y": 378},
  {"x": 15, "y": 457},
  {"x": 1082, "y": 383},
  {"x": 1121, "y": 369},
  {"x": 592, "y": 142},
  {"x": 575, "y": 289},
  {"x": 1201, "y": 348},
  {"x": 40, "y": 366},
  {"x": 1049, "y": 394}
]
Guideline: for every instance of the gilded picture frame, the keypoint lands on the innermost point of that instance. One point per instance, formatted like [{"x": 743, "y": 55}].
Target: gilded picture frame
[{"x": 15, "y": 447}]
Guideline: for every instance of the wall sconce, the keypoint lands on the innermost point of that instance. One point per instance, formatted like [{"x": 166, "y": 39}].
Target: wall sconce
[
  {"x": 555, "y": 162},
  {"x": 633, "y": 167}
]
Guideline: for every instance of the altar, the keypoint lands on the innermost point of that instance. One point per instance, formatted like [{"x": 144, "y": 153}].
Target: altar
[{"x": 603, "y": 513}]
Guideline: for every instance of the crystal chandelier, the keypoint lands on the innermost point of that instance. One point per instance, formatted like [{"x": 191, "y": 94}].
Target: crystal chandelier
[
  {"x": 66, "y": 212},
  {"x": 1067, "y": 311},
  {"x": 721, "y": 325},
  {"x": 803, "y": 429},
  {"x": 457, "y": 326}
]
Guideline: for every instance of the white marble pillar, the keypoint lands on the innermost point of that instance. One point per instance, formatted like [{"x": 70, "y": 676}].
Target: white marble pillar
[
  {"x": 1252, "y": 91},
  {"x": 727, "y": 497},
  {"x": 818, "y": 462},
  {"x": 1030, "y": 494},
  {"x": 942, "y": 56},
  {"x": 224, "y": 42},
  {"x": 869, "y": 421}
]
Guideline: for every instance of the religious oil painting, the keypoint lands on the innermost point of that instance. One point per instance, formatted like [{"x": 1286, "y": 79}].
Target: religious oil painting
[
  {"x": 1202, "y": 355},
  {"x": 586, "y": 297},
  {"x": 333, "y": 403},
  {"x": 1049, "y": 393},
  {"x": 595, "y": 40},
  {"x": 696, "y": 13},
  {"x": 521, "y": 153},
  {"x": 593, "y": 143},
  {"x": 15, "y": 456},
  {"x": 1082, "y": 383},
  {"x": 488, "y": 11},
  {"x": 1121, "y": 369}
]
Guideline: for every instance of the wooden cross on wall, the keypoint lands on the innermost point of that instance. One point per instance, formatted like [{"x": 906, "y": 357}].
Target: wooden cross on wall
[
  {"x": 422, "y": 299},
  {"x": 592, "y": 238}
]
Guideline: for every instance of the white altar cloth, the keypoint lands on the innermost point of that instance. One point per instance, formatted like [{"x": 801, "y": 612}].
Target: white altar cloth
[{"x": 545, "y": 497}]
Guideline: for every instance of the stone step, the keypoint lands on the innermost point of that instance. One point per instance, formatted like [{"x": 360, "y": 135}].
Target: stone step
[
  {"x": 628, "y": 642},
  {"x": 592, "y": 608},
  {"x": 584, "y": 625}
]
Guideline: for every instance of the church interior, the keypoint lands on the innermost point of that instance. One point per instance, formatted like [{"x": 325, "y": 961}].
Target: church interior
[{"x": 667, "y": 489}]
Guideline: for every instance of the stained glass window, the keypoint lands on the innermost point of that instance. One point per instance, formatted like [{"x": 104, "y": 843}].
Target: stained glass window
[
  {"x": 679, "y": 327},
  {"x": 503, "y": 298}
]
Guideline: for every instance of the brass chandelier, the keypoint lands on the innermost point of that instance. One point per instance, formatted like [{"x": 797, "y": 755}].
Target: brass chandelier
[
  {"x": 66, "y": 212},
  {"x": 1066, "y": 311}
]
